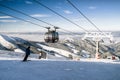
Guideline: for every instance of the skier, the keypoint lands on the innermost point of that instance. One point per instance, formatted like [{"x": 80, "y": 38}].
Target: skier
[{"x": 27, "y": 53}]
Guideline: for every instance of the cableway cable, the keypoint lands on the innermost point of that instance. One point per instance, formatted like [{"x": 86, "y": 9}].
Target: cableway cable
[
  {"x": 60, "y": 15},
  {"x": 83, "y": 15},
  {"x": 35, "y": 23},
  {"x": 22, "y": 19},
  {"x": 34, "y": 18},
  {"x": 25, "y": 14}
]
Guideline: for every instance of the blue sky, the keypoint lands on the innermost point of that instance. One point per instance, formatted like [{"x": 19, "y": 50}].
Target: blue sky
[{"x": 104, "y": 13}]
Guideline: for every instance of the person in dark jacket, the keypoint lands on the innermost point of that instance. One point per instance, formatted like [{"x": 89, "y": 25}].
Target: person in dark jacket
[{"x": 27, "y": 53}]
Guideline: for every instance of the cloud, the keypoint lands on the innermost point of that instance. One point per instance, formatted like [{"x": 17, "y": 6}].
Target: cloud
[
  {"x": 5, "y": 21},
  {"x": 5, "y": 17},
  {"x": 40, "y": 15},
  {"x": 67, "y": 12},
  {"x": 28, "y": 2},
  {"x": 92, "y": 7}
]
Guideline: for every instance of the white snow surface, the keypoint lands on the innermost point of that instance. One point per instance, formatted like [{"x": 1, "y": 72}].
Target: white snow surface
[
  {"x": 56, "y": 57},
  {"x": 58, "y": 70},
  {"x": 19, "y": 50},
  {"x": 7, "y": 42},
  {"x": 63, "y": 52},
  {"x": 10, "y": 55},
  {"x": 75, "y": 51},
  {"x": 72, "y": 47},
  {"x": 12, "y": 68},
  {"x": 85, "y": 54},
  {"x": 69, "y": 39},
  {"x": 69, "y": 45}
]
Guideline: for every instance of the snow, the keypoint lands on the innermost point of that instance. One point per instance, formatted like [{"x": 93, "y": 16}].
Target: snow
[
  {"x": 12, "y": 68},
  {"x": 69, "y": 45},
  {"x": 62, "y": 52},
  {"x": 10, "y": 55},
  {"x": 69, "y": 39},
  {"x": 56, "y": 57},
  {"x": 57, "y": 70},
  {"x": 19, "y": 50},
  {"x": 17, "y": 39},
  {"x": 72, "y": 47},
  {"x": 75, "y": 51},
  {"x": 85, "y": 54},
  {"x": 53, "y": 55},
  {"x": 7, "y": 42}
]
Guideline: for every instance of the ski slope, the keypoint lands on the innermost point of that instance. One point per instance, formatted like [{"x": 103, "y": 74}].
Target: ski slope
[
  {"x": 62, "y": 52},
  {"x": 12, "y": 68},
  {"x": 7, "y": 41},
  {"x": 58, "y": 70}
]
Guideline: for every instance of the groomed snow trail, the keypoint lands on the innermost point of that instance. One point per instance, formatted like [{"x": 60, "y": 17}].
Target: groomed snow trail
[{"x": 58, "y": 70}]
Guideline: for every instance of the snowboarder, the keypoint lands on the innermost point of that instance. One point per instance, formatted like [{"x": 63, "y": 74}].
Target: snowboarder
[{"x": 27, "y": 53}]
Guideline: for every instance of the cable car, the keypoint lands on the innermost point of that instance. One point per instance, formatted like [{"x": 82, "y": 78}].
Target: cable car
[{"x": 51, "y": 36}]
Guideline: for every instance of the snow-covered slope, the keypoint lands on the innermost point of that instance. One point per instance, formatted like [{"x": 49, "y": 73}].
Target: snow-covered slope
[
  {"x": 7, "y": 42},
  {"x": 65, "y": 48},
  {"x": 10, "y": 55},
  {"x": 58, "y": 70},
  {"x": 60, "y": 51},
  {"x": 18, "y": 45},
  {"x": 69, "y": 39},
  {"x": 11, "y": 43}
]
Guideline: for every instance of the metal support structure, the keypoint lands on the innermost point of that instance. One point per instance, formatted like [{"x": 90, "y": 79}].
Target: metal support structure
[
  {"x": 97, "y": 50},
  {"x": 97, "y": 37}
]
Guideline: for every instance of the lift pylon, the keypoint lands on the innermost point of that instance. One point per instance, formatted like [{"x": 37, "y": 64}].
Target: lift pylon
[{"x": 97, "y": 37}]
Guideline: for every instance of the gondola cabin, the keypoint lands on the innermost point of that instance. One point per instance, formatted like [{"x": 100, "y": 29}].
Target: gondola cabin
[{"x": 51, "y": 36}]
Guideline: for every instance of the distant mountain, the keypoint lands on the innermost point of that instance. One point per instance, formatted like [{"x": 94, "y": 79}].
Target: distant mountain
[
  {"x": 73, "y": 47},
  {"x": 8, "y": 42}
]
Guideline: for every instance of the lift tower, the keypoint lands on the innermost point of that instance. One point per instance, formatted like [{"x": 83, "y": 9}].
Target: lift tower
[{"x": 97, "y": 37}]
